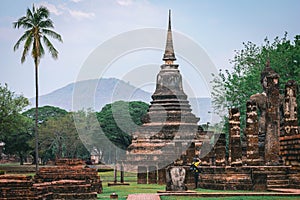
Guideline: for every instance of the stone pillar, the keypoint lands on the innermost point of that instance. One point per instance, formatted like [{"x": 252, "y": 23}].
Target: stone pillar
[
  {"x": 272, "y": 147},
  {"x": 142, "y": 175},
  {"x": 290, "y": 109},
  {"x": 122, "y": 174},
  {"x": 290, "y": 140},
  {"x": 220, "y": 149},
  {"x": 152, "y": 175},
  {"x": 235, "y": 148},
  {"x": 175, "y": 178},
  {"x": 115, "y": 173},
  {"x": 190, "y": 153},
  {"x": 162, "y": 176},
  {"x": 206, "y": 149},
  {"x": 251, "y": 132},
  {"x": 259, "y": 181}
]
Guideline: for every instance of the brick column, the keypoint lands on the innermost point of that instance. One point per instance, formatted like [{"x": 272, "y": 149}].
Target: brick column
[
  {"x": 142, "y": 175},
  {"x": 251, "y": 132},
  {"x": 290, "y": 140},
  {"x": 206, "y": 150},
  {"x": 272, "y": 147},
  {"x": 290, "y": 108},
  {"x": 152, "y": 175},
  {"x": 235, "y": 147},
  {"x": 220, "y": 149},
  {"x": 162, "y": 176}
]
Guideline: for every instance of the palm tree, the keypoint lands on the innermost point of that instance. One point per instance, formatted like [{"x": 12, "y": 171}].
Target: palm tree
[{"x": 37, "y": 27}]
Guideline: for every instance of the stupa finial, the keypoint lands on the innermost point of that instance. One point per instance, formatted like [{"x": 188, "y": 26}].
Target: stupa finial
[{"x": 169, "y": 55}]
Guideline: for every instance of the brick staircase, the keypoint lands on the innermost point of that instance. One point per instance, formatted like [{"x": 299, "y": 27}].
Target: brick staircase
[
  {"x": 69, "y": 180},
  {"x": 16, "y": 187},
  {"x": 278, "y": 179}
]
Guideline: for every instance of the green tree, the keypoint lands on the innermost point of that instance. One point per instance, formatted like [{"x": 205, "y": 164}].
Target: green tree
[
  {"x": 45, "y": 113},
  {"x": 17, "y": 141},
  {"x": 15, "y": 129},
  {"x": 38, "y": 26},
  {"x": 59, "y": 139},
  {"x": 234, "y": 88},
  {"x": 90, "y": 132},
  {"x": 120, "y": 119}
]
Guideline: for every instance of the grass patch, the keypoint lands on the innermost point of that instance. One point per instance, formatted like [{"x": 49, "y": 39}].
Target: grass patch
[
  {"x": 10, "y": 164},
  {"x": 123, "y": 191},
  {"x": 108, "y": 176},
  {"x": 230, "y": 198},
  {"x": 133, "y": 188},
  {"x": 105, "y": 170},
  {"x": 201, "y": 190}
]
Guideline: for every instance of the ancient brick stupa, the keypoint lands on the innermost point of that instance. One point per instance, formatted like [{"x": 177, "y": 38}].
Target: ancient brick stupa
[{"x": 169, "y": 127}]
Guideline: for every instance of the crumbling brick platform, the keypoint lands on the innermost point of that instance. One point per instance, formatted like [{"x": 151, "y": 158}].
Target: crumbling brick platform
[
  {"x": 16, "y": 187},
  {"x": 71, "y": 180}
]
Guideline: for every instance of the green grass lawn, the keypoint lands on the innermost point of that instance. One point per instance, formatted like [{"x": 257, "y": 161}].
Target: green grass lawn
[
  {"x": 230, "y": 198},
  {"x": 134, "y": 188},
  {"x": 123, "y": 191}
]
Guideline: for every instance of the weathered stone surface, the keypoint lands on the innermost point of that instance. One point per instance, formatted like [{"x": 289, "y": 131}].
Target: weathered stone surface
[
  {"x": 251, "y": 133},
  {"x": 257, "y": 178},
  {"x": 152, "y": 175},
  {"x": 58, "y": 182},
  {"x": 162, "y": 176},
  {"x": 289, "y": 137},
  {"x": 235, "y": 148},
  {"x": 220, "y": 149},
  {"x": 207, "y": 152},
  {"x": 271, "y": 87},
  {"x": 169, "y": 133},
  {"x": 16, "y": 187},
  {"x": 176, "y": 179},
  {"x": 261, "y": 103},
  {"x": 259, "y": 181},
  {"x": 142, "y": 175}
]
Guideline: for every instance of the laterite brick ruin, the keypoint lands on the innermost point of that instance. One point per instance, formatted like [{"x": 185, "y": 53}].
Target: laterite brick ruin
[
  {"x": 68, "y": 179},
  {"x": 267, "y": 156}
]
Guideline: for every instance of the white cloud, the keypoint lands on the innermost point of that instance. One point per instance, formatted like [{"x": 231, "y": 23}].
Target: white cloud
[
  {"x": 76, "y": 1},
  {"x": 52, "y": 8},
  {"x": 124, "y": 2},
  {"x": 79, "y": 15}
]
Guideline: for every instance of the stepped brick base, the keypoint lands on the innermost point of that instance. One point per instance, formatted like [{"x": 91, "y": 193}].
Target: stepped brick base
[
  {"x": 58, "y": 182},
  {"x": 257, "y": 178},
  {"x": 16, "y": 187}
]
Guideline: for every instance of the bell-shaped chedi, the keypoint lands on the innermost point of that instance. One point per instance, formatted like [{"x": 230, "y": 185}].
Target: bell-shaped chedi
[{"x": 169, "y": 127}]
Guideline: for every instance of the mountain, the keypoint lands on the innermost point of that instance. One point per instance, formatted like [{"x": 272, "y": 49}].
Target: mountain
[
  {"x": 96, "y": 93},
  {"x": 99, "y": 92}
]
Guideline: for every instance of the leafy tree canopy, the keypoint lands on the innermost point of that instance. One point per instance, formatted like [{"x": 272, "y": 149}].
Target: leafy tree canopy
[
  {"x": 15, "y": 129},
  {"x": 45, "y": 113},
  {"x": 120, "y": 119},
  {"x": 59, "y": 139},
  {"x": 234, "y": 88}
]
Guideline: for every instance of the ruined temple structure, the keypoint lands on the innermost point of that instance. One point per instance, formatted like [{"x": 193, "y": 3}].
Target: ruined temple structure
[
  {"x": 268, "y": 156},
  {"x": 265, "y": 156},
  {"x": 68, "y": 179},
  {"x": 169, "y": 132}
]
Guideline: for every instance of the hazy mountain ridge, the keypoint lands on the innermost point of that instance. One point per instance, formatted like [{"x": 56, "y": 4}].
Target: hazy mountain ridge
[{"x": 97, "y": 93}]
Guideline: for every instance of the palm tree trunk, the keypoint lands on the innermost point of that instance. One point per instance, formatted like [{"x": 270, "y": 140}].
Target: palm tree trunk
[{"x": 36, "y": 117}]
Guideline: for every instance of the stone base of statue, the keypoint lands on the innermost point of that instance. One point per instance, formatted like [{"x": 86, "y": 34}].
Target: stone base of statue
[{"x": 175, "y": 178}]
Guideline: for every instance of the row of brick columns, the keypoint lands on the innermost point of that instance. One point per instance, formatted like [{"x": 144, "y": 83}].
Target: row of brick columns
[
  {"x": 151, "y": 175},
  {"x": 262, "y": 144}
]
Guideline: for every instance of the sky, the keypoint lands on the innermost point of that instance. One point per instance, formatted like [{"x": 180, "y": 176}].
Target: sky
[{"x": 219, "y": 27}]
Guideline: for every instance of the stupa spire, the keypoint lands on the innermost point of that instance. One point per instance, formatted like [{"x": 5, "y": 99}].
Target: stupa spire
[{"x": 169, "y": 55}]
